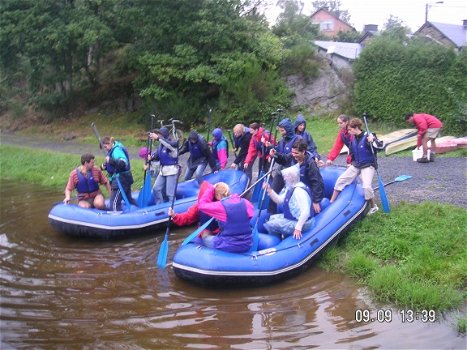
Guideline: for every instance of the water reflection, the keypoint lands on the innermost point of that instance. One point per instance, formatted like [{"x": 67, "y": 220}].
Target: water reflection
[{"x": 61, "y": 292}]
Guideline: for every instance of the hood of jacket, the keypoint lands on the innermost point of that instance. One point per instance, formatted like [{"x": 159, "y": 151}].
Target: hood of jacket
[
  {"x": 300, "y": 120},
  {"x": 193, "y": 136},
  {"x": 217, "y": 133},
  {"x": 286, "y": 123}
]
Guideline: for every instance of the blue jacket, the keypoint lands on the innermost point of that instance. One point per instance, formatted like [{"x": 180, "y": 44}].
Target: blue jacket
[{"x": 306, "y": 136}]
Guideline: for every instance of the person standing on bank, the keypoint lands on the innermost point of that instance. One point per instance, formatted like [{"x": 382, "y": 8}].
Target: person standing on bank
[
  {"x": 343, "y": 139},
  {"x": 86, "y": 179},
  {"x": 300, "y": 129},
  {"x": 167, "y": 154},
  {"x": 363, "y": 162},
  {"x": 117, "y": 164},
  {"x": 429, "y": 128},
  {"x": 200, "y": 156},
  {"x": 242, "y": 139}
]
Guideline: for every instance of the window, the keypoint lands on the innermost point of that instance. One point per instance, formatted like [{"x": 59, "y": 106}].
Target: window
[{"x": 326, "y": 26}]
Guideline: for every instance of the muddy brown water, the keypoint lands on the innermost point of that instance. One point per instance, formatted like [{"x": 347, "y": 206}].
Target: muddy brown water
[{"x": 59, "y": 292}]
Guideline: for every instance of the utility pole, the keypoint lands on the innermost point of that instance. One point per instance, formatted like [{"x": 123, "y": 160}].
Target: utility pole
[{"x": 427, "y": 7}]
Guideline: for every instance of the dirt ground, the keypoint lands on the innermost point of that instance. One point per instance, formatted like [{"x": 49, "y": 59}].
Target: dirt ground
[{"x": 444, "y": 180}]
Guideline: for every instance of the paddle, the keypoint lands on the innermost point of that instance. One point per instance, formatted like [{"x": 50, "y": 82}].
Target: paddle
[
  {"x": 232, "y": 142},
  {"x": 397, "y": 179},
  {"x": 164, "y": 249},
  {"x": 98, "y": 137},
  {"x": 257, "y": 191},
  {"x": 145, "y": 193},
  {"x": 382, "y": 191},
  {"x": 202, "y": 227},
  {"x": 209, "y": 123}
]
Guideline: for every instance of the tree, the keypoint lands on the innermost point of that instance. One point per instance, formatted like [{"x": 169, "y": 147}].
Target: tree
[{"x": 397, "y": 75}]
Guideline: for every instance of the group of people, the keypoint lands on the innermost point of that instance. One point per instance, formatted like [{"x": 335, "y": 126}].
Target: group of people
[{"x": 293, "y": 161}]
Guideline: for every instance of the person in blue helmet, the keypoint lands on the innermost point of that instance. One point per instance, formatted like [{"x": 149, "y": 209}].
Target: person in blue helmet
[
  {"x": 300, "y": 129},
  {"x": 200, "y": 156},
  {"x": 167, "y": 154},
  {"x": 117, "y": 164}
]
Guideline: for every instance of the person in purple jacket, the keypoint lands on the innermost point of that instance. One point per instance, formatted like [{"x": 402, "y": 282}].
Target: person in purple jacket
[{"x": 233, "y": 215}]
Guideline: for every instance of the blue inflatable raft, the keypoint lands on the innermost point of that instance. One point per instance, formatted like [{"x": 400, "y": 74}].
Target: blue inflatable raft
[
  {"x": 275, "y": 259},
  {"x": 73, "y": 220}
]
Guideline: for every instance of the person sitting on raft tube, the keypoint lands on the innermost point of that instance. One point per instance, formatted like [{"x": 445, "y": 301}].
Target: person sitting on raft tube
[
  {"x": 297, "y": 216},
  {"x": 233, "y": 215},
  {"x": 86, "y": 179}
]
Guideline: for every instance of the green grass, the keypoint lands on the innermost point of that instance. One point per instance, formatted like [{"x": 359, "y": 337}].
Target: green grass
[
  {"x": 45, "y": 168},
  {"x": 414, "y": 258}
]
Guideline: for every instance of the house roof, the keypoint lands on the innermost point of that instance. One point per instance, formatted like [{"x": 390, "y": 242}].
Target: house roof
[
  {"x": 331, "y": 14},
  {"x": 455, "y": 33},
  {"x": 346, "y": 50}
]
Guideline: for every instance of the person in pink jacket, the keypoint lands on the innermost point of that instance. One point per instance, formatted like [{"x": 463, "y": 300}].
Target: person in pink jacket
[
  {"x": 429, "y": 128},
  {"x": 233, "y": 215}
]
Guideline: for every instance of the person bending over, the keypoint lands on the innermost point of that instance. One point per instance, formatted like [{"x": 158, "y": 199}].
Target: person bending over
[{"x": 233, "y": 215}]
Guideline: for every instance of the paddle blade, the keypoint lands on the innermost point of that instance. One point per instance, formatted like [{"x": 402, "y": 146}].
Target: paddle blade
[
  {"x": 163, "y": 252},
  {"x": 402, "y": 178},
  {"x": 145, "y": 193},
  {"x": 382, "y": 194}
]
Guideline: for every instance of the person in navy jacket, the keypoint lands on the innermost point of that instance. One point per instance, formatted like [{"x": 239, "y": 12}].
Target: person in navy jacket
[
  {"x": 364, "y": 162},
  {"x": 200, "y": 156},
  {"x": 233, "y": 215}
]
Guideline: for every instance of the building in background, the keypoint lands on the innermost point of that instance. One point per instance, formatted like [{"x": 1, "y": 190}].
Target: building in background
[
  {"x": 450, "y": 35},
  {"x": 329, "y": 25}
]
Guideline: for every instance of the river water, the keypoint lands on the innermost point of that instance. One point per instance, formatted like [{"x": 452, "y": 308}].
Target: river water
[{"x": 59, "y": 292}]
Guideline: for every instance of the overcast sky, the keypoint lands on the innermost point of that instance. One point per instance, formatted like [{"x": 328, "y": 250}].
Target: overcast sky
[{"x": 411, "y": 12}]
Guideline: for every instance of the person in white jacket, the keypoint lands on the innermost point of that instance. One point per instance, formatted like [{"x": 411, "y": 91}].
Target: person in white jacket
[{"x": 297, "y": 215}]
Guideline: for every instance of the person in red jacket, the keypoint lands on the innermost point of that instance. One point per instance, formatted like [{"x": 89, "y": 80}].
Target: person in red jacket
[
  {"x": 429, "y": 127},
  {"x": 343, "y": 139},
  {"x": 193, "y": 215},
  {"x": 259, "y": 135}
]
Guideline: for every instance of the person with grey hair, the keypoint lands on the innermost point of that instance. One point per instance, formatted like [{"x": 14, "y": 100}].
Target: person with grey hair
[{"x": 297, "y": 215}]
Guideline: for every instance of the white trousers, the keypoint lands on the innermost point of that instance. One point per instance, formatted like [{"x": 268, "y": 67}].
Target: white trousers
[{"x": 351, "y": 173}]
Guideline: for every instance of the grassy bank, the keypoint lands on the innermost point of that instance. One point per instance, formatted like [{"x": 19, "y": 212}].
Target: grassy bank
[{"x": 414, "y": 258}]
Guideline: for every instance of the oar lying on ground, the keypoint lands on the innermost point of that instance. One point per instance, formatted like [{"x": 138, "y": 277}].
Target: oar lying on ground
[{"x": 397, "y": 179}]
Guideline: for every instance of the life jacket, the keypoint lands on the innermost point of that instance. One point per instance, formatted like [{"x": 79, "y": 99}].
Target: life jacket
[
  {"x": 236, "y": 234},
  {"x": 86, "y": 184},
  {"x": 346, "y": 138},
  {"x": 164, "y": 156},
  {"x": 110, "y": 168},
  {"x": 195, "y": 148},
  {"x": 285, "y": 147},
  {"x": 362, "y": 156},
  {"x": 288, "y": 195}
]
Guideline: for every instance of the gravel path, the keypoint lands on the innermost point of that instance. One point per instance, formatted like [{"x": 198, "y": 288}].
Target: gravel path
[{"x": 444, "y": 180}]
